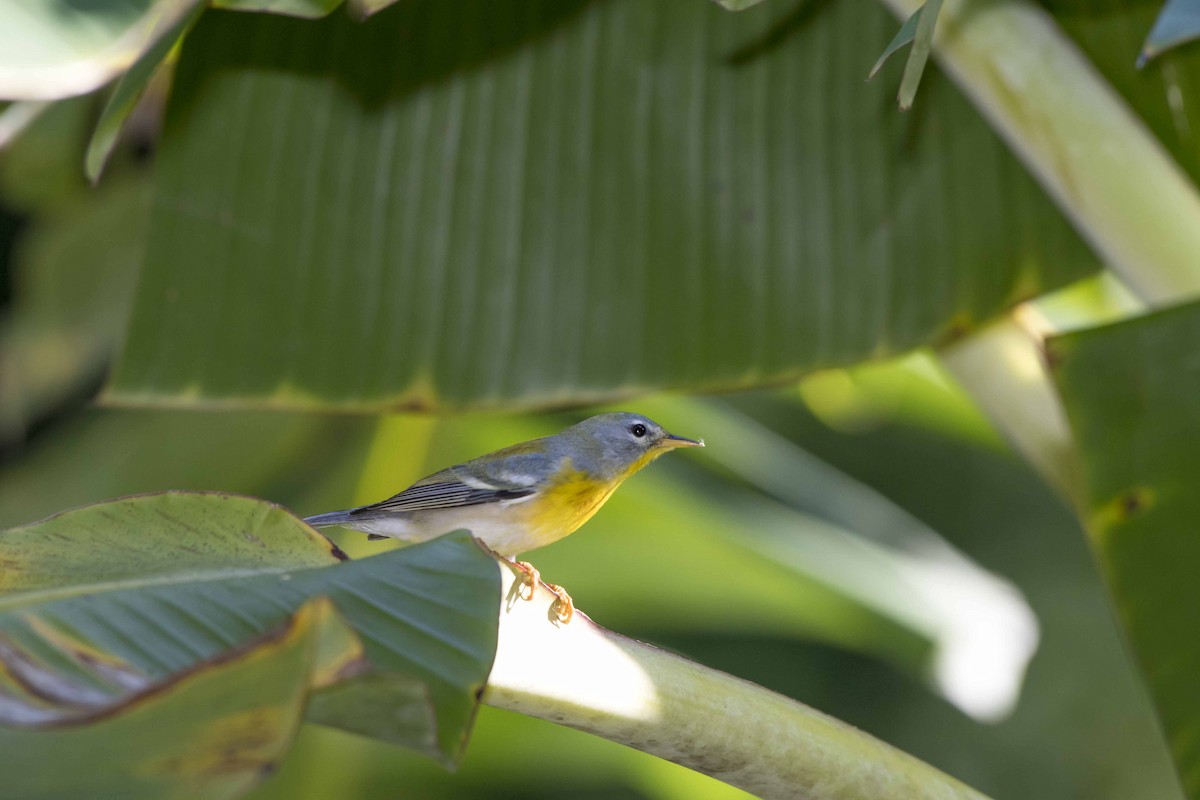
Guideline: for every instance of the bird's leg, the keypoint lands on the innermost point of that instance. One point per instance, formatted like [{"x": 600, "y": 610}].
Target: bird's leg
[
  {"x": 529, "y": 578},
  {"x": 563, "y": 607}
]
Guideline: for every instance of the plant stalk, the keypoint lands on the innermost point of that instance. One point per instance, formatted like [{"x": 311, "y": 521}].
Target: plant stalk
[
  {"x": 1091, "y": 153},
  {"x": 586, "y": 677},
  {"x": 1003, "y": 368}
]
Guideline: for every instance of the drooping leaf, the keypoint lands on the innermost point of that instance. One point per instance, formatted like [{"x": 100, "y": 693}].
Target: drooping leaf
[
  {"x": 128, "y": 90},
  {"x": 1130, "y": 393},
  {"x": 499, "y": 224},
  {"x": 224, "y": 570},
  {"x": 914, "y": 68},
  {"x": 50, "y": 49},
  {"x": 211, "y": 731},
  {"x": 1178, "y": 22},
  {"x": 903, "y": 37}
]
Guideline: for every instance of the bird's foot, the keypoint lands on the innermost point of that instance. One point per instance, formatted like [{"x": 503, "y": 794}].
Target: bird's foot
[
  {"x": 529, "y": 578},
  {"x": 563, "y": 608}
]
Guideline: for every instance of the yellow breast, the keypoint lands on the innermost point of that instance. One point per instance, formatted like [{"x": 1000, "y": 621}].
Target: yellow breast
[{"x": 570, "y": 501}]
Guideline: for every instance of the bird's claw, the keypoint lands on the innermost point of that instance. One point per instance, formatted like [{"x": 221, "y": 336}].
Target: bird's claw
[
  {"x": 529, "y": 578},
  {"x": 563, "y": 608}
]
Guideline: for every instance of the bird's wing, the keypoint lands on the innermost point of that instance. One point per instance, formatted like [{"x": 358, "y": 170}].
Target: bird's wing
[{"x": 508, "y": 474}]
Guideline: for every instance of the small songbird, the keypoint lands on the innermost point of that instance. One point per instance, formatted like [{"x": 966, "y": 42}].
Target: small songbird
[{"x": 521, "y": 497}]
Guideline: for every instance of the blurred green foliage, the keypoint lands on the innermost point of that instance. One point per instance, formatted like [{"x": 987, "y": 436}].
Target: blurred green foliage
[{"x": 640, "y": 564}]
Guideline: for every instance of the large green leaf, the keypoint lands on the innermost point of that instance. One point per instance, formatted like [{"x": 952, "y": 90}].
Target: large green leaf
[
  {"x": 161, "y": 583},
  {"x": 1130, "y": 392},
  {"x": 559, "y": 202}
]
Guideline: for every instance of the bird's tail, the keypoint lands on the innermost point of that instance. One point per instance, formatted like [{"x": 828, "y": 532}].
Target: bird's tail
[{"x": 332, "y": 518}]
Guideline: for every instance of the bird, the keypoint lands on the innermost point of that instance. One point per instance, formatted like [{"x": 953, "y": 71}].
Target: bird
[{"x": 521, "y": 497}]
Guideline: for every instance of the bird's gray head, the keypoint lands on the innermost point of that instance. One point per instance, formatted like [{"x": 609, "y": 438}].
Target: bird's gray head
[{"x": 621, "y": 443}]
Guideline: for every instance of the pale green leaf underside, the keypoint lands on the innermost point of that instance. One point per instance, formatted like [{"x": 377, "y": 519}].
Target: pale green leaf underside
[
  {"x": 309, "y": 9},
  {"x": 128, "y": 91},
  {"x": 582, "y": 201},
  {"x": 1130, "y": 393},
  {"x": 51, "y": 49}
]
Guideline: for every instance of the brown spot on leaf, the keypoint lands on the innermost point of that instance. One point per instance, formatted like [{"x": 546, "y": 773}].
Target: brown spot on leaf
[
  {"x": 1136, "y": 501},
  {"x": 1127, "y": 505}
]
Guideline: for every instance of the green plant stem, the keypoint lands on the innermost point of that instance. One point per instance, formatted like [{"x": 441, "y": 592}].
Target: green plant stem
[
  {"x": 1102, "y": 165},
  {"x": 1003, "y": 369},
  {"x": 586, "y": 677}
]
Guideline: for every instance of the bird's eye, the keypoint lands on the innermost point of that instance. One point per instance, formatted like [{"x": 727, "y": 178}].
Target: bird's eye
[{"x": 638, "y": 430}]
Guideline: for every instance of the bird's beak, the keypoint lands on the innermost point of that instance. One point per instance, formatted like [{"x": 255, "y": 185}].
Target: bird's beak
[{"x": 672, "y": 441}]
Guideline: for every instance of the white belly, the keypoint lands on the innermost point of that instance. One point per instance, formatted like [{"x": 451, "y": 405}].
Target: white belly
[{"x": 492, "y": 523}]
